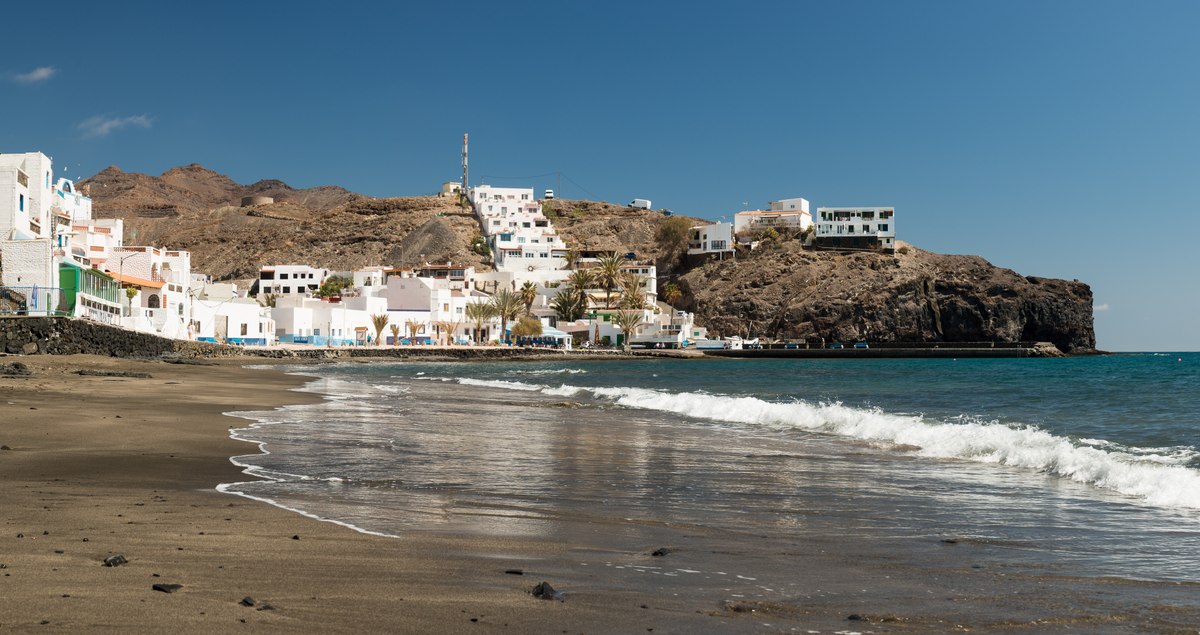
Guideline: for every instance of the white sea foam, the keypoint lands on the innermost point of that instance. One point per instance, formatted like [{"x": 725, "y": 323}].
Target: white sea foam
[
  {"x": 550, "y": 371},
  {"x": 1156, "y": 475}
]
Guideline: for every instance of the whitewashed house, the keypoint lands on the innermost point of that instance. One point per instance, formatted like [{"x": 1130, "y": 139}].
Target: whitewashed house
[
  {"x": 856, "y": 228},
  {"x": 790, "y": 214},
  {"x": 714, "y": 239},
  {"x": 294, "y": 280},
  {"x": 220, "y": 315}
]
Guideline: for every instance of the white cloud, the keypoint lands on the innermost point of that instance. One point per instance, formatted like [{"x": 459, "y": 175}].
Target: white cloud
[
  {"x": 39, "y": 74},
  {"x": 100, "y": 126},
  {"x": 1100, "y": 308}
]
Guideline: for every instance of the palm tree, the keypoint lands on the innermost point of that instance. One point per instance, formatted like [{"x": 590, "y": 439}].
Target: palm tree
[
  {"x": 413, "y": 326},
  {"x": 528, "y": 294},
  {"x": 480, "y": 312},
  {"x": 608, "y": 273},
  {"x": 580, "y": 279},
  {"x": 633, "y": 291},
  {"x": 379, "y": 321},
  {"x": 395, "y": 335},
  {"x": 572, "y": 258},
  {"x": 508, "y": 307},
  {"x": 451, "y": 326},
  {"x": 627, "y": 321},
  {"x": 672, "y": 293},
  {"x": 570, "y": 304}
]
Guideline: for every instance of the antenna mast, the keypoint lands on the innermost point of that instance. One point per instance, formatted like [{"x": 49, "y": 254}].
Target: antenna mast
[{"x": 464, "y": 183}]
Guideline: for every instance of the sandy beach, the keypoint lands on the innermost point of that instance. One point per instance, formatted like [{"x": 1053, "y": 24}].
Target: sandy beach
[{"x": 97, "y": 465}]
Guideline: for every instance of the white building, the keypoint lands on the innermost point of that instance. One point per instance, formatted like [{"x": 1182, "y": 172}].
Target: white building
[
  {"x": 162, "y": 279},
  {"x": 321, "y": 322},
  {"x": 716, "y": 238},
  {"x": 26, "y": 196},
  {"x": 297, "y": 280},
  {"x": 786, "y": 214},
  {"x": 219, "y": 315},
  {"x": 519, "y": 234},
  {"x": 856, "y": 228}
]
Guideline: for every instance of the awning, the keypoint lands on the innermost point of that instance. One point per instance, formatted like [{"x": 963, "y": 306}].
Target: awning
[{"x": 136, "y": 281}]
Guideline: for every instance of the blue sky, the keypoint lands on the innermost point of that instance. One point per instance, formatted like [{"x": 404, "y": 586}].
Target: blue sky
[{"x": 1058, "y": 139}]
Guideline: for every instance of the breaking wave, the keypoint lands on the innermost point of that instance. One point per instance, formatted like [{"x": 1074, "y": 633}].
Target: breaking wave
[{"x": 1158, "y": 476}]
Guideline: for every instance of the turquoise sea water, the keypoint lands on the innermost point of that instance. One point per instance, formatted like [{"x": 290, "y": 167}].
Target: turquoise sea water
[{"x": 1080, "y": 465}]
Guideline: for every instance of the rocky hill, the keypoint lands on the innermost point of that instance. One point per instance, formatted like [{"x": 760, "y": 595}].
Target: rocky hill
[
  {"x": 783, "y": 290},
  {"x": 780, "y": 290},
  {"x": 196, "y": 209}
]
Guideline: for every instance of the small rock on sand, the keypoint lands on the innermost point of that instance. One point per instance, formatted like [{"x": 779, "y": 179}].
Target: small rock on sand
[
  {"x": 115, "y": 560},
  {"x": 247, "y": 601},
  {"x": 166, "y": 588},
  {"x": 514, "y": 571},
  {"x": 546, "y": 592},
  {"x": 660, "y": 552}
]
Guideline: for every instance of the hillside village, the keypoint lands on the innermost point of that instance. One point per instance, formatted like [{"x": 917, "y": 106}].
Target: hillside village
[{"x": 528, "y": 285}]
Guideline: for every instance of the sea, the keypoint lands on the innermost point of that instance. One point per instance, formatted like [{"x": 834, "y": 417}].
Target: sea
[{"x": 1079, "y": 466}]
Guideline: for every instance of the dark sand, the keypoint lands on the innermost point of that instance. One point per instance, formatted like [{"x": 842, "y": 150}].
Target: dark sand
[{"x": 111, "y": 465}]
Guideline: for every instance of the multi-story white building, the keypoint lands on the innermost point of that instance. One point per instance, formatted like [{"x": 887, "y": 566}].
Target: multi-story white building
[
  {"x": 856, "y": 228},
  {"x": 298, "y": 280},
  {"x": 26, "y": 196},
  {"x": 321, "y": 322},
  {"x": 162, "y": 279},
  {"x": 716, "y": 239},
  {"x": 789, "y": 214},
  {"x": 519, "y": 234}
]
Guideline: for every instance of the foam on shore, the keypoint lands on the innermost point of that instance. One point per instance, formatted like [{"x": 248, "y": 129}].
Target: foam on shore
[{"x": 1157, "y": 476}]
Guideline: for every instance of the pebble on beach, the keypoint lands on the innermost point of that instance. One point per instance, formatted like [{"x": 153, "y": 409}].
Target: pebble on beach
[{"x": 166, "y": 588}]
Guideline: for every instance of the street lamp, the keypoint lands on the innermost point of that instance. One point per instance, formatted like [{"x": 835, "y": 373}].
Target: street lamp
[{"x": 121, "y": 274}]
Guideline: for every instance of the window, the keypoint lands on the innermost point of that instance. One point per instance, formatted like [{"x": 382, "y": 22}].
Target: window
[
  {"x": 883, "y": 227},
  {"x": 267, "y": 275},
  {"x": 287, "y": 289},
  {"x": 283, "y": 276},
  {"x": 21, "y": 205},
  {"x": 866, "y": 229},
  {"x": 445, "y": 307},
  {"x": 244, "y": 330}
]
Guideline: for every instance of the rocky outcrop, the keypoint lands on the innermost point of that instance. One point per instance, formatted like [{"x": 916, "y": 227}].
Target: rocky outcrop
[
  {"x": 64, "y": 336},
  {"x": 785, "y": 291}
]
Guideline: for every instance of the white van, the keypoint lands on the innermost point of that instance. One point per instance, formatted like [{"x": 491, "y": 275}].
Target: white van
[{"x": 640, "y": 203}]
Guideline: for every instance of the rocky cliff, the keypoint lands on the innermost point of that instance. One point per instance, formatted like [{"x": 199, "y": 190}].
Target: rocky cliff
[{"x": 783, "y": 290}]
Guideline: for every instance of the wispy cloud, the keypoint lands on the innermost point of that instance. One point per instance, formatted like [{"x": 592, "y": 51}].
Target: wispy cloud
[
  {"x": 1100, "y": 308},
  {"x": 101, "y": 126},
  {"x": 39, "y": 74}
]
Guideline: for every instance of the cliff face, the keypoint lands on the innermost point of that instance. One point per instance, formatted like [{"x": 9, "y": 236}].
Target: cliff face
[{"x": 785, "y": 291}]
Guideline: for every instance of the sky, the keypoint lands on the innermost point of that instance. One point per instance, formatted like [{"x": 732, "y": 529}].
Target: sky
[{"x": 1059, "y": 139}]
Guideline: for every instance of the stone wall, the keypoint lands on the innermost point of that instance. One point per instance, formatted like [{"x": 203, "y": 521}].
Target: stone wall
[{"x": 65, "y": 336}]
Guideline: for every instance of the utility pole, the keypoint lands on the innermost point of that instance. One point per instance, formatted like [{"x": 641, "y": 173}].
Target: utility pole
[{"x": 465, "y": 192}]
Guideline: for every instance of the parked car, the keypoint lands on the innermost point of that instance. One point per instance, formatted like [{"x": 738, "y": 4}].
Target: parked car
[
  {"x": 861, "y": 345},
  {"x": 836, "y": 345},
  {"x": 640, "y": 203}
]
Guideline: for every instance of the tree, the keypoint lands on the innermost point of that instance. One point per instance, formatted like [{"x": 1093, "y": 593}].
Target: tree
[
  {"x": 528, "y": 293},
  {"x": 608, "y": 273},
  {"x": 672, "y": 293},
  {"x": 672, "y": 238},
  {"x": 572, "y": 258},
  {"x": 527, "y": 326},
  {"x": 633, "y": 291},
  {"x": 480, "y": 312},
  {"x": 508, "y": 307},
  {"x": 627, "y": 321},
  {"x": 395, "y": 335},
  {"x": 449, "y": 326},
  {"x": 413, "y": 326},
  {"x": 570, "y": 303},
  {"x": 379, "y": 321},
  {"x": 581, "y": 279},
  {"x": 334, "y": 285}
]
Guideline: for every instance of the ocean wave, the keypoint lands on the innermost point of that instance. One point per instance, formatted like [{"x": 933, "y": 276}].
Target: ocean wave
[
  {"x": 549, "y": 371},
  {"x": 1155, "y": 475}
]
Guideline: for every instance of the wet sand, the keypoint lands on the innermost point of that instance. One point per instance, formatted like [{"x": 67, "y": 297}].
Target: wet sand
[{"x": 100, "y": 465}]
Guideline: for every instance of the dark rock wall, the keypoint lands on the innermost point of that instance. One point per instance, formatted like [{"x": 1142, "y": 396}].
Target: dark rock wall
[{"x": 63, "y": 336}]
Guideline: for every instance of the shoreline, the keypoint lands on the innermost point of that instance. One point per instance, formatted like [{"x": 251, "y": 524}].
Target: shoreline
[{"x": 101, "y": 465}]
